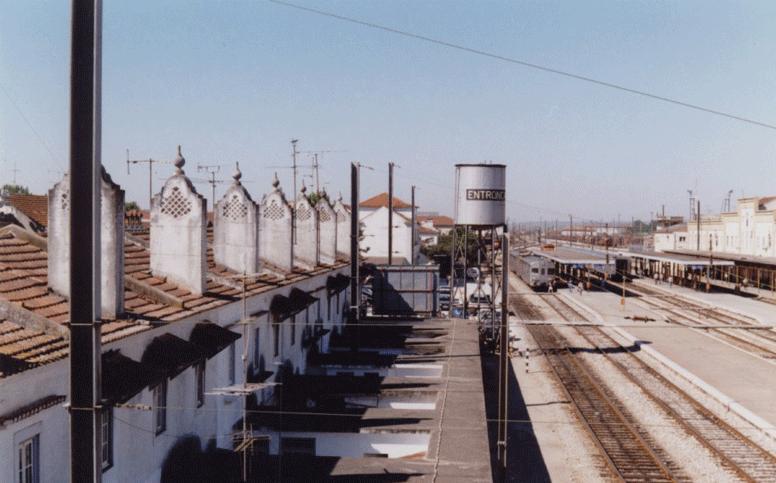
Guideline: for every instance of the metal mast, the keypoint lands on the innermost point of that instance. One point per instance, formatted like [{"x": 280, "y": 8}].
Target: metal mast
[
  {"x": 390, "y": 213},
  {"x": 85, "y": 181}
]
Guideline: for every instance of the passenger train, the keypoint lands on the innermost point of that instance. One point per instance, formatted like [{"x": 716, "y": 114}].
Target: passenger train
[{"x": 534, "y": 270}]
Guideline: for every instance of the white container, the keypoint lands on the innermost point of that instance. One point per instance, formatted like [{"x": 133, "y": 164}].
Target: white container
[{"x": 480, "y": 194}]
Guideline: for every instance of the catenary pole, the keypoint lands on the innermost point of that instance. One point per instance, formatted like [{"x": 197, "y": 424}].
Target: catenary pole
[
  {"x": 85, "y": 179},
  {"x": 390, "y": 213}
]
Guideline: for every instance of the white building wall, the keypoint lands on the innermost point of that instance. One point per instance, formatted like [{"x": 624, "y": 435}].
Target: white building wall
[
  {"x": 375, "y": 224},
  {"x": 138, "y": 453},
  {"x": 748, "y": 231}
]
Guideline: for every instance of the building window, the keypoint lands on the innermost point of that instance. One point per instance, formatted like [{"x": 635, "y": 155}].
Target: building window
[
  {"x": 293, "y": 330},
  {"x": 29, "y": 462},
  {"x": 107, "y": 438},
  {"x": 256, "y": 348},
  {"x": 199, "y": 372},
  {"x": 160, "y": 407}
]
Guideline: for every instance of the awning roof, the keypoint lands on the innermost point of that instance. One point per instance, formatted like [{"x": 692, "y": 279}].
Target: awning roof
[
  {"x": 171, "y": 354},
  {"x": 283, "y": 307},
  {"x": 123, "y": 378},
  {"x": 212, "y": 338},
  {"x": 300, "y": 299},
  {"x": 336, "y": 283}
]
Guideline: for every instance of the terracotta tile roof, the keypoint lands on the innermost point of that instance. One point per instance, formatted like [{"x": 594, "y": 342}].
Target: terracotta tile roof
[
  {"x": 34, "y": 206},
  {"x": 381, "y": 200},
  {"x": 437, "y": 220},
  {"x": 23, "y": 284}
]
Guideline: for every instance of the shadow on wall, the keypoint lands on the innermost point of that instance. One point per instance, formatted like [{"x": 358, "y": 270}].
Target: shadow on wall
[{"x": 187, "y": 462}]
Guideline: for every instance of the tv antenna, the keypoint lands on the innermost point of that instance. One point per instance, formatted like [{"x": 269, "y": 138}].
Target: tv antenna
[
  {"x": 211, "y": 170},
  {"x": 315, "y": 153},
  {"x": 150, "y": 162}
]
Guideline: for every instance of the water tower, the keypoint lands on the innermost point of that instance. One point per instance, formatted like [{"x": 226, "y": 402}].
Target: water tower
[{"x": 480, "y": 198}]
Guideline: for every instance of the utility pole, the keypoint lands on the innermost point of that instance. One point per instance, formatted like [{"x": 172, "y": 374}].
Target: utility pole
[
  {"x": 355, "y": 293},
  {"x": 150, "y": 163},
  {"x": 698, "y": 216},
  {"x": 315, "y": 170},
  {"x": 294, "y": 152},
  {"x": 211, "y": 170},
  {"x": 14, "y": 171},
  {"x": 503, "y": 400},
  {"x": 85, "y": 189},
  {"x": 390, "y": 213},
  {"x": 414, "y": 230},
  {"x": 711, "y": 263}
]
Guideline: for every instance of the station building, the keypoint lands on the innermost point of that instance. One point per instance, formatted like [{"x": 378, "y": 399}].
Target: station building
[
  {"x": 198, "y": 321},
  {"x": 750, "y": 230}
]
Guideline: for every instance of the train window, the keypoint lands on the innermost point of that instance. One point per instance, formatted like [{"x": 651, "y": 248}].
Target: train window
[
  {"x": 534, "y": 270},
  {"x": 543, "y": 272},
  {"x": 550, "y": 271}
]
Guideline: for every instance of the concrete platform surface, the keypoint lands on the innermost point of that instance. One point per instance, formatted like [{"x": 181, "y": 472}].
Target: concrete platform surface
[{"x": 747, "y": 379}]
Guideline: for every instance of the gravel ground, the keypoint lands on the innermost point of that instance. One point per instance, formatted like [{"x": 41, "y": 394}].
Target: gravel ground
[
  {"x": 720, "y": 410},
  {"x": 696, "y": 460},
  {"x": 568, "y": 451}
]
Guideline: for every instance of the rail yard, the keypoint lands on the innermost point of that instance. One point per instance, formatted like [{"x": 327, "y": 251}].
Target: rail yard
[{"x": 636, "y": 413}]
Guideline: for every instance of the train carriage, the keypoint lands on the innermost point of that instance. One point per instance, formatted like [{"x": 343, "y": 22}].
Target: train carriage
[{"x": 537, "y": 272}]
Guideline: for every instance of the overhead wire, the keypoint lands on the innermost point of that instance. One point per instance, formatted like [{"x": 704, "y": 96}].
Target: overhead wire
[
  {"x": 524, "y": 63},
  {"x": 32, "y": 128}
]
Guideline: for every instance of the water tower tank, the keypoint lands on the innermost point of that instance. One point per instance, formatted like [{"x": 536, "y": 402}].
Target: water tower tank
[{"x": 479, "y": 194}]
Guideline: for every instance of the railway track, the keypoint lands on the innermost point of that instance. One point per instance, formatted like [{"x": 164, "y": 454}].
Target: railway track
[
  {"x": 735, "y": 451},
  {"x": 629, "y": 451},
  {"x": 758, "y": 341}
]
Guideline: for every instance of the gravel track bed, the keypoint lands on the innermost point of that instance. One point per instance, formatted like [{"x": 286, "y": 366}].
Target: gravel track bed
[{"x": 695, "y": 459}]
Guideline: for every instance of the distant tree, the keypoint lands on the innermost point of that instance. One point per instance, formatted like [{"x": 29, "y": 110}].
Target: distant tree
[
  {"x": 445, "y": 243},
  {"x": 131, "y": 205},
  {"x": 14, "y": 189},
  {"x": 315, "y": 196}
]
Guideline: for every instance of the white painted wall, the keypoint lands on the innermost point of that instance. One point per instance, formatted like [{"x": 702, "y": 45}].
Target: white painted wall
[{"x": 138, "y": 452}]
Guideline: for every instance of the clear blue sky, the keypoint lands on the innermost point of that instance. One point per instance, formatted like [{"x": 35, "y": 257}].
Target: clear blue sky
[{"x": 235, "y": 81}]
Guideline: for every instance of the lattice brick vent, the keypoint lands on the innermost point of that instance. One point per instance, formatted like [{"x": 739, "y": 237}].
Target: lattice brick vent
[
  {"x": 176, "y": 205},
  {"x": 304, "y": 212},
  {"x": 235, "y": 209},
  {"x": 64, "y": 200},
  {"x": 273, "y": 211},
  {"x": 324, "y": 215}
]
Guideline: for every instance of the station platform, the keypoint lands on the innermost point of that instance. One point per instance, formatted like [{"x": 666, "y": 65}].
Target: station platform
[
  {"x": 690, "y": 261},
  {"x": 576, "y": 256}
]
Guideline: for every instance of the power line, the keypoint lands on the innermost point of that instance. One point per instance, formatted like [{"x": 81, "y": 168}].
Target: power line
[
  {"x": 32, "y": 128},
  {"x": 524, "y": 63}
]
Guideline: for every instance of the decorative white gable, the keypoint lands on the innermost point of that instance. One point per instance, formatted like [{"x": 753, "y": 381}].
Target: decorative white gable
[
  {"x": 306, "y": 250},
  {"x": 275, "y": 236},
  {"x": 178, "y": 232},
  {"x": 327, "y": 231},
  {"x": 236, "y": 229},
  {"x": 111, "y": 237}
]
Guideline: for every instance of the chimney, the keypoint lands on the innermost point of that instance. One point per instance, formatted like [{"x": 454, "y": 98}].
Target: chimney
[
  {"x": 327, "y": 231},
  {"x": 178, "y": 232},
  {"x": 343, "y": 227},
  {"x": 306, "y": 250},
  {"x": 112, "y": 238},
  {"x": 276, "y": 245},
  {"x": 236, "y": 229}
]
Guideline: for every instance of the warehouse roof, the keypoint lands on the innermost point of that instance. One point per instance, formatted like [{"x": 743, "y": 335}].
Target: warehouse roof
[{"x": 381, "y": 200}]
